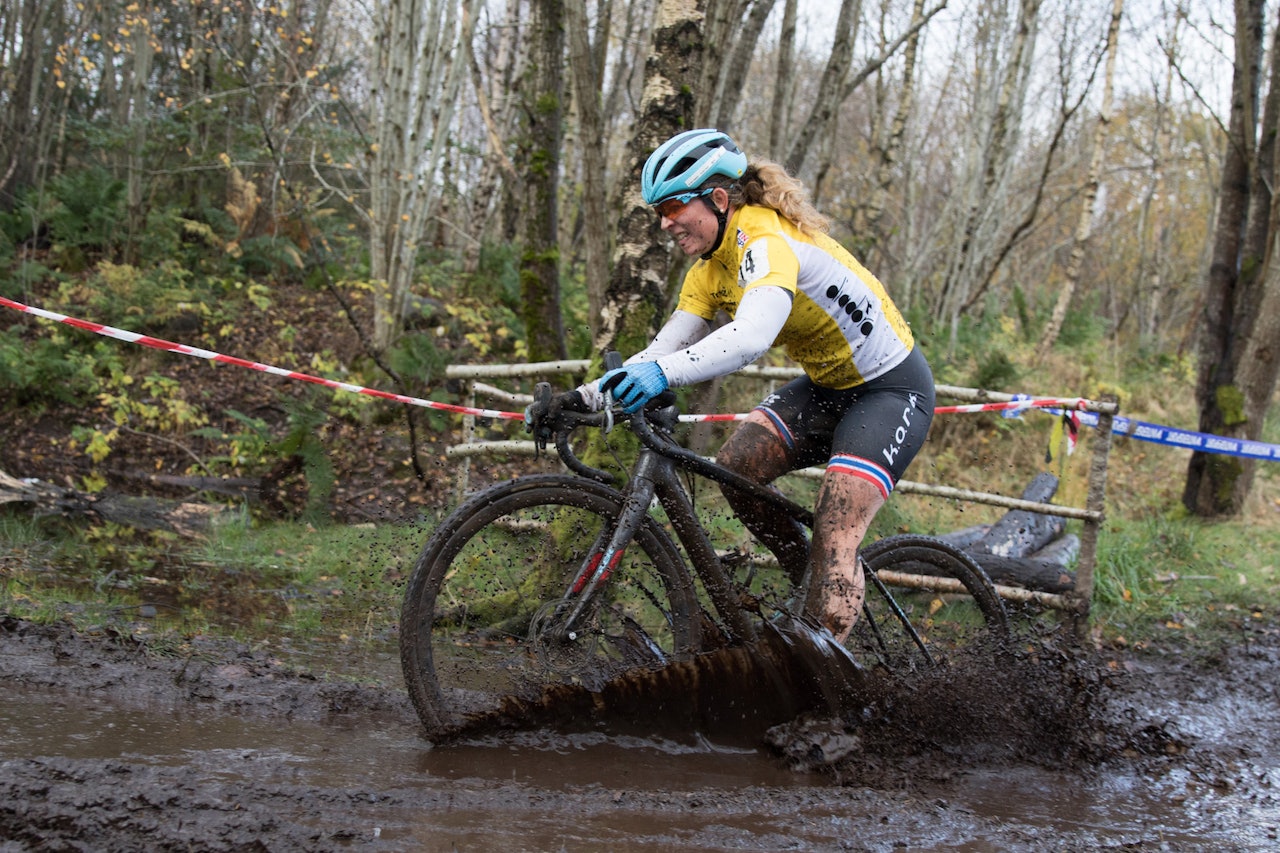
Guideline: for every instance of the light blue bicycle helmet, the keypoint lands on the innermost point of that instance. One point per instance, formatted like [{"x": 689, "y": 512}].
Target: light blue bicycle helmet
[{"x": 684, "y": 162}]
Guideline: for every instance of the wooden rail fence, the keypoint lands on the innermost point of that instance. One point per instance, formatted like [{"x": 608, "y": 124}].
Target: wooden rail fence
[{"x": 1091, "y": 514}]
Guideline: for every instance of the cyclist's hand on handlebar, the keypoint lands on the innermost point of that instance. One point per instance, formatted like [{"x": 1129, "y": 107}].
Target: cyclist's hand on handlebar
[
  {"x": 542, "y": 417},
  {"x": 633, "y": 385},
  {"x": 569, "y": 401}
]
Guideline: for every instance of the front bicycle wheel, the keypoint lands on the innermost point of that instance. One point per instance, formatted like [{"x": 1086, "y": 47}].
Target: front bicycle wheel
[
  {"x": 494, "y": 606},
  {"x": 906, "y": 629}
]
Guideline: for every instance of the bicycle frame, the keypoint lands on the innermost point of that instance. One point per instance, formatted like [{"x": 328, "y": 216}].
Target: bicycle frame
[{"x": 654, "y": 475}]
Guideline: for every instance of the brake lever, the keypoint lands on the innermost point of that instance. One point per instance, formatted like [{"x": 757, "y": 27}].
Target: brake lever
[{"x": 612, "y": 361}]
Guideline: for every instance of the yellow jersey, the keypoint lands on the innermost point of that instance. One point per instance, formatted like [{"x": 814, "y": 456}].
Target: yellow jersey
[{"x": 843, "y": 328}]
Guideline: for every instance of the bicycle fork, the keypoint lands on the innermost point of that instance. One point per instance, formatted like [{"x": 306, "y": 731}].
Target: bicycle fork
[
  {"x": 653, "y": 475},
  {"x": 608, "y": 549}
]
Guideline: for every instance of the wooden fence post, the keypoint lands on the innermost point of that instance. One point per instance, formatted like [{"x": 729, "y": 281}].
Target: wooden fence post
[
  {"x": 1096, "y": 502},
  {"x": 468, "y": 436}
]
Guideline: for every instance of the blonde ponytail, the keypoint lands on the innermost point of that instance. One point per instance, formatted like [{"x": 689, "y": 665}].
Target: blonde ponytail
[{"x": 767, "y": 184}]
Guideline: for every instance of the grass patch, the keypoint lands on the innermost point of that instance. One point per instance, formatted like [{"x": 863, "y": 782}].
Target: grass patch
[
  {"x": 295, "y": 580},
  {"x": 1174, "y": 578}
]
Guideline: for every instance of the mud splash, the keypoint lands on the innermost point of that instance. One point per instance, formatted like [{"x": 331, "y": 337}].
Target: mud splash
[
  {"x": 1042, "y": 702},
  {"x": 738, "y": 692},
  {"x": 1045, "y": 704}
]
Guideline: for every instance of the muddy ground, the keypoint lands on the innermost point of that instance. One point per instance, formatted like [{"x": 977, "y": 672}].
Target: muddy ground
[{"x": 111, "y": 742}]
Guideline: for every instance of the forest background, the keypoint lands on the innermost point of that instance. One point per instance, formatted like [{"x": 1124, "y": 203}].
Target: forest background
[{"x": 1064, "y": 197}]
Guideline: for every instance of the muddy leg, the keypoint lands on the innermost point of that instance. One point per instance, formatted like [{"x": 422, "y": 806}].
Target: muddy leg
[
  {"x": 846, "y": 505},
  {"x": 756, "y": 450}
]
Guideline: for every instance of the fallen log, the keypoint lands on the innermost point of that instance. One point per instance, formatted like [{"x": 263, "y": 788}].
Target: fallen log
[
  {"x": 965, "y": 536},
  {"x": 1029, "y": 549},
  {"x": 1019, "y": 532},
  {"x": 1062, "y": 550},
  {"x": 1023, "y": 548},
  {"x": 245, "y": 488},
  {"x": 1026, "y": 572},
  {"x": 141, "y": 513}
]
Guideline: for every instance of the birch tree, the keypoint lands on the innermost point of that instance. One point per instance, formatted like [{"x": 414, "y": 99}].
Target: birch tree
[
  {"x": 1089, "y": 196},
  {"x": 419, "y": 65},
  {"x": 636, "y": 293}
]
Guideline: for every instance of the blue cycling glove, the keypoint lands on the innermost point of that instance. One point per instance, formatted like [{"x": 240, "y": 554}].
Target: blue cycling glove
[{"x": 635, "y": 384}]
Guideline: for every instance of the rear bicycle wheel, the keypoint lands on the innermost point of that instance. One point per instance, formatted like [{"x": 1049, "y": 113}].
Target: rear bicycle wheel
[
  {"x": 905, "y": 629},
  {"x": 487, "y": 608}
]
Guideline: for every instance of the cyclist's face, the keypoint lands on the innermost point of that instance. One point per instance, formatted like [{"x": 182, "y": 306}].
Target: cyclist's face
[{"x": 694, "y": 228}]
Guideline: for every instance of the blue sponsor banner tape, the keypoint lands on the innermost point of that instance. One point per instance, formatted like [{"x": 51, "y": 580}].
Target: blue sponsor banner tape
[{"x": 1185, "y": 439}]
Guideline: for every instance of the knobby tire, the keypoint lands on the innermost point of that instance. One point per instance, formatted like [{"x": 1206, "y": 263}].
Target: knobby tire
[
  {"x": 886, "y": 636},
  {"x": 482, "y": 619}
]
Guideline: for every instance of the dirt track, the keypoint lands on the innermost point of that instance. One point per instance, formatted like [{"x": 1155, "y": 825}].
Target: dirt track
[{"x": 114, "y": 744}]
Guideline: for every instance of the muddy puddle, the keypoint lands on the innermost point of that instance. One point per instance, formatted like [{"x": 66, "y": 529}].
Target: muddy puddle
[
  {"x": 105, "y": 748},
  {"x": 77, "y": 727}
]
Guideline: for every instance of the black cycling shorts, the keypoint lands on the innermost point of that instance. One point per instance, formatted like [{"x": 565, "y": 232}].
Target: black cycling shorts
[{"x": 872, "y": 431}]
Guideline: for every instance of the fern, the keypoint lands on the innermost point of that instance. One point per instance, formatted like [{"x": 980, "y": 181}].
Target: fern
[{"x": 302, "y": 440}]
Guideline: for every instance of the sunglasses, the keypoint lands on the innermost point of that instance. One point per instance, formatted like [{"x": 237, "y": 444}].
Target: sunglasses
[{"x": 673, "y": 206}]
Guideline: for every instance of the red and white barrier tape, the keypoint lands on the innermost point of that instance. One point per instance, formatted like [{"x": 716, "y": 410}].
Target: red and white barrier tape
[
  {"x": 170, "y": 346},
  {"x": 183, "y": 349},
  {"x": 1013, "y": 405}
]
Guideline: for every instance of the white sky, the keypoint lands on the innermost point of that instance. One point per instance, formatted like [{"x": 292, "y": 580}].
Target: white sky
[{"x": 1204, "y": 38}]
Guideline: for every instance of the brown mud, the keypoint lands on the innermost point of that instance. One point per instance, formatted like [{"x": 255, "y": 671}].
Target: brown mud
[{"x": 112, "y": 741}]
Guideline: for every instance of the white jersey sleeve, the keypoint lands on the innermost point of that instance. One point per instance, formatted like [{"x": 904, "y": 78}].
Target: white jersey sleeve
[
  {"x": 759, "y": 319},
  {"x": 681, "y": 329}
]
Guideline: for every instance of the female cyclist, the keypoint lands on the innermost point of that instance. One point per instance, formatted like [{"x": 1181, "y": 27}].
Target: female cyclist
[{"x": 866, "y": 400}]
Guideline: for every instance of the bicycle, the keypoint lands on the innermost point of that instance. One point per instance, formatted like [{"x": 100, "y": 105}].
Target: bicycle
[{"x": 565, "y": 579}]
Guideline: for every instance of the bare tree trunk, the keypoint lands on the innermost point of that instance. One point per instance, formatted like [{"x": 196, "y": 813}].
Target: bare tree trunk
[
  {"x": 1089, "y": 198},
  {"x": 29, "y": 117},
  {"x": 837, "y": 85},
  {"x": 502, "y": 64},
  {"x": 721, "y": 20},
  {"x": 636, "y": 37},
  {"x": 982, "y": 203},
  {"x": 1152, "y": 232},
  {"x": 540, "y": 258},
  {"x": 889, "y": 150},
  {"x": 733, "y": 79},
  {"x": 784, "y": 81},
  {"x": 830, "y": 88},
  {"x": 1211, "y": 479},
  {"x": 1260, "y": 357},
  {"x": 137, "y": 120},
  {"x": 583, "y": 61}
]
